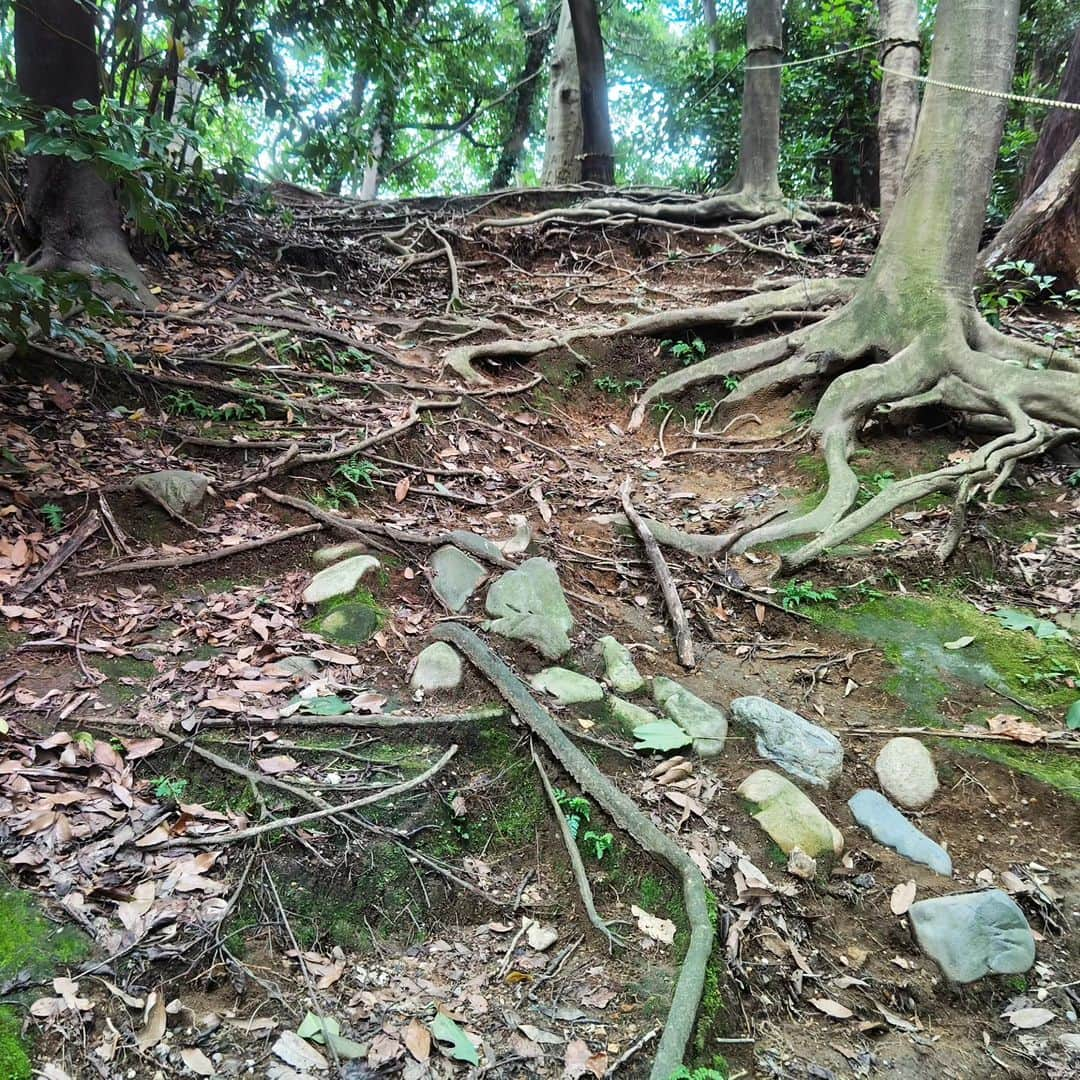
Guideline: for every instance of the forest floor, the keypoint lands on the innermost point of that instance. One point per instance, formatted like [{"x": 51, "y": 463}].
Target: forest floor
[{"x": 152, "y": 709}]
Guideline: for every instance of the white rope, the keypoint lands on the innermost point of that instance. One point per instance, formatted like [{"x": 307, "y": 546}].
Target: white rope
[
  {"x": 1050, "y": 103},
  {"x": 823, "y": 56}
]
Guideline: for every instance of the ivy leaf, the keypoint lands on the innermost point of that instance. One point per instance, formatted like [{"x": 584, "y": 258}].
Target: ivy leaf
[
  {"x": 1012, "y": 619},
  {"x": 660, "y": 735},
  {"x": 461, "y": 1048},
  {"x": 1072, "y": 717}
]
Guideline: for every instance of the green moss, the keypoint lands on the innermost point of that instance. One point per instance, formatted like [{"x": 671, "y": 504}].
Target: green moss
[
  {"x": 127, "y": 677},
  {"x": 30, "y": 943},
  {"x": 10, "y": 641},
  {"x": 1060, "y": 771},
  {"x": 14, "y": 1050},
  {"x": 351, "y": 619}
]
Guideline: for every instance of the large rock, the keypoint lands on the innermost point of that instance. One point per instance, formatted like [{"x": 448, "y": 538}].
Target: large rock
[
  {"x": 566, "y": 686},
  {"x": 350, "y": 623},
  {"x": 619, "y": 668},
  {"x": 438, "y": 667},
  {"x": 803, "y": 749},
  {"x": 974, "y": 934},
  {"x": 339, "y": 579},
  {"x": 706, "y": 724},
  {"x": 455, "y": 576},
  {"x": 888, "y": 826},
  {"x": 906, "y": 772},
  {"x": 529, "y": 605},
  {"x": 629, "y": 716},
  {"x": 178, "y": 490},
  {"x": 788, "y": 816}
]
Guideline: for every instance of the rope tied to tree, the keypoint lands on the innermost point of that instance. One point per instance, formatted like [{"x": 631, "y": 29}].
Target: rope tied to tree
[{"x": 1000, "y": 95}]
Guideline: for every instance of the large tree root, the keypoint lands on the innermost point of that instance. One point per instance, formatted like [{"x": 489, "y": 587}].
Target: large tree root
[
  {"x": 626, "y": 813},
  {"x": 795, "y": 302}
]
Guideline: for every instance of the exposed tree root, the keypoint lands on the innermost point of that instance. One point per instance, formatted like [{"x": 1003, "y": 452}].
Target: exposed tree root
[{"x": 626, "y": 813}]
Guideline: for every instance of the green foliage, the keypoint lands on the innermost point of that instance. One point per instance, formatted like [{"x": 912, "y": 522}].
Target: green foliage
[
  {"x": 686, "y": 352},
  {"x": 702, "y": 1073},
  {"x": 170, "y": 788},
  {"x": 609, "y": 384},
  {"x": 1012, "y": 619},
  {"x": 661, "y": 734},
  {"x": 797, "y": 593},
  {"x": 599, "y": 843},
  {"x": 54, "y": 515},
  {"x": 1073, "y": 479},
  {"x": 1015, "y": 284},
  {"x": 185, "y": 403},
  {"x": 576, "y": 809}
]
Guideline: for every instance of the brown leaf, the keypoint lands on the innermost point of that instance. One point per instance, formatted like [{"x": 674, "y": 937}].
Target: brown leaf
[
  {"x": 154, "y": 1021},
  {"x": 281, "y": 763},
  {"x": 832, "y": 1008},
  {"x": 580, "y": 1059},
  {"x": 417, "y": 1040},
  {"x": 662, "y": 930},
  {"x": 401, "y": 489},
  {"x": 383, "y": 1048},
  {"x": 1015, "y": 728},
  {"x": 197, "y": 1061}
]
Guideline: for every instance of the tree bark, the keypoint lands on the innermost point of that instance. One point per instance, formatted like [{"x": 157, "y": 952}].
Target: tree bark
[
  {"x": 381, "y": 135},
  {"x": 1060, "y": 128},
  {"x": 71, "y": 212},
  {"x": 537, "y": 33},
  {"x": 562, "y": 147},
  {"x": 899, "y": 110},
  {"x": 759, "y": 139},
  {"x": 597, "y": 146},
  {"x": 709, "y": 15}
]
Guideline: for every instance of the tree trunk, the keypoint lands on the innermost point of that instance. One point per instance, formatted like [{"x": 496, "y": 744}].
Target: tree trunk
[
  {"x": 380, "y": 142},
  {"x": 597, "y": 146},
  {"x": 1060, "y": 128},
  {"x": 899, "y": 110},
  {"x": 562, "y": 148},
  {"x": 537, "y": 39},
  {"x": 71, "y": 211},
  {"x": 709, "y": 14},
  {"x": 759, "y": 140}
]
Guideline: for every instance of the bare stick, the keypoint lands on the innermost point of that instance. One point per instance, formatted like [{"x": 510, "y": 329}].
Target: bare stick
[
  {"x": 202, "y": 556},
  {"x": 87, "y": 527},
  {"x": 684, "y": 644}
]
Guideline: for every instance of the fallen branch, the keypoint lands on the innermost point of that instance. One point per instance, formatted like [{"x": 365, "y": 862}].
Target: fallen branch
[
  {"x": 629, "y": 816},
  {"x": 174, "y": 561},
  {"x": 1060, "y": 740},
  {"x": 684, "y": 643},
  {"x": 87, "y": 527},
  {"x": 482, "y": 713}
]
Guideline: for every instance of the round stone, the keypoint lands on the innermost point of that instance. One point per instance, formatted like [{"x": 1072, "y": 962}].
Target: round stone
[{"x": 906, "y": 772}]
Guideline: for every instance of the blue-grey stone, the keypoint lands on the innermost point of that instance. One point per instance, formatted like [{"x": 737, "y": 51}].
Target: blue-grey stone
[
  {"x": 974, "y": 934},
  {"x": 888, "y": 826},
  {"x": 805, "y": 750},
  {"x": 529, "y": 605}
]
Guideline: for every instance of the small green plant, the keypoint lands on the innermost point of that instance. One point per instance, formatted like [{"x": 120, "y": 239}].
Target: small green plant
[
  {"x": 702, "y": 1073},
  {"x": 869, "y": 486},
  {"x": 1073, "y": 479},
  {"x": 247, "y": 409},
  {"x": 686, "y": 352},
  {"x": 661, "y": 408},
  {"x": 169, "y": 787},
  {"x": 336, "y": 497},
  {"x": 1015, "y": 284},
  {"x": 54, "y": 515},
  {"x": 617, "y": 387},
  {"x": 599, "y": 843},
  {"x": 359, "y": 472},
  {"x": 184, "y": 403},
  {"x": 705, "y": 407},
  {"x": 803, "y": 416},
  {"x": 797, "y": 593},
  {"x": 731, "y": 383},
  {"x": 576, "y": 809}
]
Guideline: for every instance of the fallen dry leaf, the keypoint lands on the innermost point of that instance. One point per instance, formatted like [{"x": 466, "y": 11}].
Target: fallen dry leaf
[
  {"x": 832, "y": 1008},
  {"x": 580, "y": 1059},
  {"x": 417, "y": 1040},
  {"x": 662, "y": 930},
  {"x": 903, "y": 895},
  {"x": 197, "y": 1061},
  {"x": 1015, "y": 728}
]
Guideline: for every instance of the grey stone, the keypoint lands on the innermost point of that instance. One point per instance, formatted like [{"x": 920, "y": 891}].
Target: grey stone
[
  {"x": 906, "y": 772},
  {"x": 619, "y": 667},
  {"x": 351, "y": 623},
  {"x": 455, "y": 576},
  {"x": 566, "y": 686},
  {"x": 628, "y": 715},
  {"x": 529, "y": 605},
  {"x": 788, "y": 816},
  {"x": 297, "y": 665},
  {"x": 339, "y": 579},
  {"x": 889, "y": 827},
  {"x": 327, "y": 556},
  {"x": 180, "y": 490},
  {"x": 438, "y": 667},
  {"x": 476, "y": 544},
  {"x": 974, "y": 934},
  {"x": 805, "y": 750},
  {"x": 706, "y": 724}
]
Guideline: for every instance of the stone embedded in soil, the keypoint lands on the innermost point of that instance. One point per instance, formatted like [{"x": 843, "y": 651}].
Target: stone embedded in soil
[
  {"x": 529, "y": 605},
  {"x": 339, "y": 579},
  {"x": 566, "y": 686},
  {"x": 799, "y": 747},
  {"x": 327, "y": 556},
  {"x": 181, "y": 490},
  {"x": 629, "y": 716},
  {"x": 619, "y": 667},
  {"x": 706, "y": 724},
  {"x": 906, "y": 772},
  {"x": 455, "y": 576},
  {"x": 889, "y": 827},
  {"x": 438, "y": 667},
  {"x": 788, "y": 816},
  {"x": 351, "y": 623},
  {"x": 974, "y": 934}
]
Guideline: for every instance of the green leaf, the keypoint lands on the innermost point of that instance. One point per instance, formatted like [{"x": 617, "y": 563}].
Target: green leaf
[
  {"x": 1012, "y": 619},
  {"x": 462, "y": 1048},
  {"x": 128, "y": 162},
  {"x": 331, "y": 705},
  {"x": 327, "y": 1032},
  {"x": 660, "y": 735},
  {"x": 1072, "y": 717}
]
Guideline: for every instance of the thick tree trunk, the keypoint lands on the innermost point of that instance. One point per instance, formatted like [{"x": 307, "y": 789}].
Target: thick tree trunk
[
  {"x": 1060, "y": 128},
  {"x": 759, "y": 139},
  {"x": 597, "y": 146},
  {"x": 71, "y": 212},
  {"x": 709, "y": 14},
  {"x": 381, "y": 135},
  {"x": 537, "y": 39},
  {"x": 562, "y": 148},
  {"x": 899, "y": 110}
]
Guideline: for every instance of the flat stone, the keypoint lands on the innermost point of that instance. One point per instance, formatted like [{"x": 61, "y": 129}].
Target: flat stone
[
  {"x": 629, "y": 716},
  {"x": 181, "y": 490},
  {"x": 455, "y": 576},
  {"x": 619, "y": 667},
  {"x": 906, "y": 772},
  {"x": 438, "y": 667},
  {"x": 351, "y": 623},
  {"x": 339, "y": 579},
  {"x": 476, "y": 544},
  {"x": 566, "y": 686},
  {"x": 706, "y": 724},
  {"x": 327, "y": 556},
  {"x": 974, "y": 934},
  {"x": 529, "y": 605},
  {"x": 888, "y": 826},
  {"x": 805, "y": 750},
  {"x": 788, "y": 816}
]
